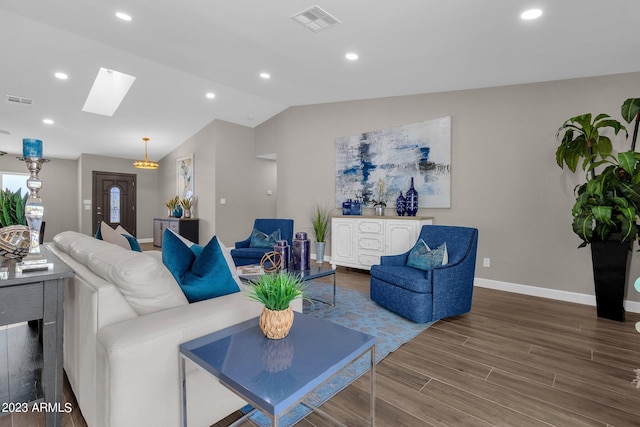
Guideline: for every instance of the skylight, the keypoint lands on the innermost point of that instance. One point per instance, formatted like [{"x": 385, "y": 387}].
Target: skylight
[{"x": 107, "y": 92}]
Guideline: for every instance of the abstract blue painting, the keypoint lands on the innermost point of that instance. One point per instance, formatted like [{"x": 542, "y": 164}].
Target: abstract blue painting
[{"x": 420, "y": 150}]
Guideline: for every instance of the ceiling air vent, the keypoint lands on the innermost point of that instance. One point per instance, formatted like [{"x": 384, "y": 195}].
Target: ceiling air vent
[
  {"x": 17, "y": 100},
  {"x": 315, "y": 19}
]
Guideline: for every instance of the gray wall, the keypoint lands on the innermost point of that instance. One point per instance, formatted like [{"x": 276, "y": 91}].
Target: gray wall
[
  {"x": 59, "y": 192},
  {"x": 226, "y": 167},
  {"x": 505, "y": 180},
  {"x": 146, "y": 192}
]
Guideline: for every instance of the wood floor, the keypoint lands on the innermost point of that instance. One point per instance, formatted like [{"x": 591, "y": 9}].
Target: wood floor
[{"x": 513, "y": 361}]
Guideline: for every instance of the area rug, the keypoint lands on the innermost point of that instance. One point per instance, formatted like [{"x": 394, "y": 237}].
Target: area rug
[{"x": 354, "y": 310}]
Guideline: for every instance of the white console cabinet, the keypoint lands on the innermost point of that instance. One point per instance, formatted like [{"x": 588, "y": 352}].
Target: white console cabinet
[{"x": 360, "y": 241}]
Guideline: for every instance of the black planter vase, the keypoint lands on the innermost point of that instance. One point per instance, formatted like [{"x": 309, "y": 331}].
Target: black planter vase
[{"x": 609, "y": 259}]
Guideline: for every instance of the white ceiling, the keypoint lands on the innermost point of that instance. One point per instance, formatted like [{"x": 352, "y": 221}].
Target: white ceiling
[{"x": 179, "y": 50}]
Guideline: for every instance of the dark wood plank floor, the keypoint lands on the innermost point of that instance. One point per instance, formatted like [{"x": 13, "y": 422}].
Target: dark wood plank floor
[{"x": 514, "y": 360}]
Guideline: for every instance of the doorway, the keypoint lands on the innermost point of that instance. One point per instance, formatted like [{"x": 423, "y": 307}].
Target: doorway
[{"x": 114, "y": 196}]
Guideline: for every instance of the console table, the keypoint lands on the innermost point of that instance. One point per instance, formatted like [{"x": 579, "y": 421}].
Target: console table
[
  {"x": 189, "y": 228},
  {"x": 360, "y": 241},
  {"x": 33, "y": 296}
]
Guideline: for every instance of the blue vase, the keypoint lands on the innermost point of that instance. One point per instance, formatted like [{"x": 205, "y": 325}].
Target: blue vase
[
  {"x": 346, "y": 207},
  {"x": 356, "y": 208},
  {"x": 177, "y": 211},
  {"x": 401, "y": 207},
  {"x": 411, "y": 200}
]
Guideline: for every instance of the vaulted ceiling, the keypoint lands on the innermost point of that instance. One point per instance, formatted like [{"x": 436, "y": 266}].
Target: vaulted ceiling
[{"x": 180, "y": 50}]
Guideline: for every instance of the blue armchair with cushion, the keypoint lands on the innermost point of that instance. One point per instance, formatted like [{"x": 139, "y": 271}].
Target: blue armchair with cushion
[
  {"x": 435, "y": 293},
  {"x": 262, "y": 240}
]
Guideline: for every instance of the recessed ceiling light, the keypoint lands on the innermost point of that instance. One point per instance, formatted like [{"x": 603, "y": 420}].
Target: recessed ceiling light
[
  {"x": 123, "y": 16},
  {"x": 351, "y": 56},
  {"x": 210, "y": 95},
  {"x": 61, "y": 76},
  {"x": 47, "y": 121},
  {"x": 531, "y": 14},
  {"x": 265, "y": 76}
]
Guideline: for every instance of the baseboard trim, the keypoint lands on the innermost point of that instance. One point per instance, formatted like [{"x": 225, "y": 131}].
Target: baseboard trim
[
  {"x": 148, "y": 240},
  {"x": 630, "y": 306}
]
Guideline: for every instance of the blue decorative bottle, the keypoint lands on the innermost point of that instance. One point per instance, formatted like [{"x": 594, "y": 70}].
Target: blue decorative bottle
[
  {"x": 411, "y": 200},
  {"x": 301, "y": 251},
  {"x": 346, "y": 207},
  {"x": 401, "y": 207}
]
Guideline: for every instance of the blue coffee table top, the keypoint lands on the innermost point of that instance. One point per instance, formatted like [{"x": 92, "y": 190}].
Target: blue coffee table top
[{"x": 276, "y": 374}]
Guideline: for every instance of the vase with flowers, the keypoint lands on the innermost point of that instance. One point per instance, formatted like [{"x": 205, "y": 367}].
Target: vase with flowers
[{"x": 381, "y": 202}]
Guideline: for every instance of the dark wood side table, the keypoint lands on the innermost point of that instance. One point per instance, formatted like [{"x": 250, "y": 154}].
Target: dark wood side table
[
  {"x": 189, "y": 228},
  {"x": 33, "y": 296}
]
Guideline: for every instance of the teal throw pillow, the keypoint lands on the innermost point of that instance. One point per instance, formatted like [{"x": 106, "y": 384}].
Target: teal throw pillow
[
  {"x": 263, "y": 240},
  {"x": 133, "y": 242},
  {"x": 202, "y": 276},
  {"x": 423, "y": 258}
]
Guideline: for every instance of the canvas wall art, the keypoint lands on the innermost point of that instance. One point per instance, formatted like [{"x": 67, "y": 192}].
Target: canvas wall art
[
  {"x": 185, "y": 177},
  {"x": 420, "y": 150}
]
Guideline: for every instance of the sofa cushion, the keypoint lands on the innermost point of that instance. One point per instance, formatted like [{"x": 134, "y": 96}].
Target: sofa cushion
[
  {"x": 201, "y": 277},
  {"x": 263, "y": 240},
  {"x": 143, "y": 280},
  {"x": 423, "y": 258}
]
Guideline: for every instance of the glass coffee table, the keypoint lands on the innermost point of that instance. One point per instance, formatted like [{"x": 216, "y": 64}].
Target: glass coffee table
[
  {"x": 274, "y": 376},
  {"x": 315, "y": 271}
]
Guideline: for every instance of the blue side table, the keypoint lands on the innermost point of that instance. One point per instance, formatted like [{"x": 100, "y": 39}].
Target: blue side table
[{"x": 239, "y": 356}]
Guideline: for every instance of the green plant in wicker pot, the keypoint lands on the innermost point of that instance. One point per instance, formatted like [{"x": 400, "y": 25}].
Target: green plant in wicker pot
[
  {"x": 607, "y": 206},
  {"x": 320, "y": 218},
  {"x": 275, "y": 292}
]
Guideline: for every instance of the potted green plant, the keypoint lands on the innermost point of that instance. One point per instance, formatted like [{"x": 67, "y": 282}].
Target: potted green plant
[
  {"x": 14, "y": 233},
  {"x": 607, "y": 207},
  {"x": 320, "y": 218},
  {"x": 12, "y": 207},
  {"x": 275, "y": 292}
]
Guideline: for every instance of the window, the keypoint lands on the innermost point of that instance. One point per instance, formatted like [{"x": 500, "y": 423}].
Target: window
[
  {"x": 114, "y": 205},
  {"x": 14, "y": 182}
]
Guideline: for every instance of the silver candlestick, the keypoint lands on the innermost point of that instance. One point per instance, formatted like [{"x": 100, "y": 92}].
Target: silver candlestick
[{"x": 34, "y": 212}]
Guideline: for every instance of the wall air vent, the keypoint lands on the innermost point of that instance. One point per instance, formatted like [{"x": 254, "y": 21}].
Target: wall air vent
[
  {"x": 315, "y": 19},
  {"x": 17, "y": 100}
]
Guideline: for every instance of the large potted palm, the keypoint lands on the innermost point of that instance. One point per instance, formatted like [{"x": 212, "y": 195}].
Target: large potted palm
[{"x": 607, "y": 207}]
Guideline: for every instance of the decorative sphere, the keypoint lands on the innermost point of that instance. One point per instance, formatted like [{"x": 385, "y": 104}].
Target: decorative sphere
[
  {"x": 271, "y": 262},
  {"x": 637, "y": 284}
]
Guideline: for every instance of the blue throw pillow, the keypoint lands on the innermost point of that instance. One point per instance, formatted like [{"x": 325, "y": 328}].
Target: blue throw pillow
[
  {"x": 201, "y": 276},
  {"x": 263, "y": 240},
  {"x": 133, "y": 242},
  {"x": 423, "y": 258}
]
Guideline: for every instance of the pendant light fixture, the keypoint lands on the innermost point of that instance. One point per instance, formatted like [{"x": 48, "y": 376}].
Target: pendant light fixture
[{"x": 145, "y": 164}]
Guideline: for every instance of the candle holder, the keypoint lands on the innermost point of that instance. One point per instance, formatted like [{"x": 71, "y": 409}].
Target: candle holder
[{"x": 34, "y": 212}]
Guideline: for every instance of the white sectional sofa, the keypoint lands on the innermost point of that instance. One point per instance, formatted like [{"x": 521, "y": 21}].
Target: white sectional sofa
[{"x": 123, "y": 322}]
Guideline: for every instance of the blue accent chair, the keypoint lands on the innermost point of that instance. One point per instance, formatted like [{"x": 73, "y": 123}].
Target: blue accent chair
[
  {"x": 426, "y": 296},
  {"x": 243, "y": 254}
]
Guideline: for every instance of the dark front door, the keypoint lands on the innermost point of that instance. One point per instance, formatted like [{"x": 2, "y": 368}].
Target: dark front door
[{"x": 114, "y": 196}]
